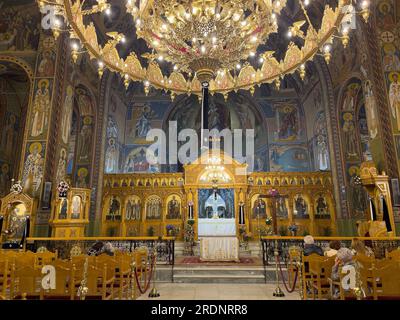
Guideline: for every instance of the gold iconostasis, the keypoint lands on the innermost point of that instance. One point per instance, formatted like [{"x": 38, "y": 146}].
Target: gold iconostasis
[{"x": 159, "y": 204}]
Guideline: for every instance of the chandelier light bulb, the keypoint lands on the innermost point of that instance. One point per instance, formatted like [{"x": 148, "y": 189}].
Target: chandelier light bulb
[
  {"x": 203, "y": 49},
  {"x": 238, "y": 66},
  {"x": 123, "y": 39},
  {"x": 306, "y": 2},
  {"x": 175, "y": 67},
  {"x": 290, "y": 34},
  {"x": 252, "y": 54},
  {"x": 160, "y": 58},
  {"x": 261, "y": 60},
  {"x": 218, "y": 16},
  {"x": 108, "y": 11},
  {"x": 364, "y": 4},
  {"x": 253, "y": 39}
]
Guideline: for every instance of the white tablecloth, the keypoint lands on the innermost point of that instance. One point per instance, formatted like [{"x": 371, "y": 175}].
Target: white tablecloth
[
  {"x": 219, "y": 249},
  {"x": 217, "y": 227}
]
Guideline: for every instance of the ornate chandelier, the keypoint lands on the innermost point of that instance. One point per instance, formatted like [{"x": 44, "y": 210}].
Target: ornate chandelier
[{"x": 218, "y": 44}]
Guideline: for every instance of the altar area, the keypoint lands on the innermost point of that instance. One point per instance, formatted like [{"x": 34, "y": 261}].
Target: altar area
[{"x": 219, "y": 249}]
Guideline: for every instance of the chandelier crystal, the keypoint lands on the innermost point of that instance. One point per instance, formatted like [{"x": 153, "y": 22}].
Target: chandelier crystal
[{"x": 221, "y": 43}]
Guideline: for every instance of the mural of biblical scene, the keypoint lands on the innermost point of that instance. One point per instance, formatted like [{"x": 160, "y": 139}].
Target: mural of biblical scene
[
  {"x": 76, "y": 207},
  {"x": 33, "y": 167},
  {"x": 82, "y": 177},
  {"x": 174, "y": 207},
  {"x": 300, "y": 207},
  {"x": 62, "y": 165},
  {"x": 370, "y": 110},
  {"x": 133, "y": 209},
  {"x": 349, "y": 136},
  {"x": 73, "y": 134},
  {"x": 46, "y": 67},
  {"x": 14, "y": 97},
  {"x": 153, "y": 208},
  {"x": 288, "y": 158},
  {"x": 364, "y": 134},
  {"x": 67, "y": 114},
  {"x": 394, "y": 98},
  {"x": 288, "y": 125},
  {"x": 140, "y": 120},
  {"x": 357, "y": 196},
  {"x": 41, "y": 108},
  {"x": 62, "y": 214},
  {"x": 320, "y": 143},
  {"x": 391, "y": 61},
  {"x": 281, "y": 208},
  {"x": 261, "y": 160},
  {"x": 85, "y": 140},
  {"x": 19, "y": 25},
  {"x": 321, "y": 208},
  {"x": 218, "y": 116},
  {"x": 114, "y": 209},
  {"x": 216, "y": 204},
  {"x": 259, "y": 208},
  {"x": 136, "y": 161},
  {"x": 385, "y": 19},
  {"x": 5, "y": 179},
  {"x": 112, "y": 149}
]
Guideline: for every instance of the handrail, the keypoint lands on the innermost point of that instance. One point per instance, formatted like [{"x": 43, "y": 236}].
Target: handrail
[
  {"x": 98, "y": 238},
  {"x": 329, "y": 238}
]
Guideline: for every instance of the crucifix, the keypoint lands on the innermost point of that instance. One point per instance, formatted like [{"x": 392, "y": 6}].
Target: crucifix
[{"x": 275, "y": 196}]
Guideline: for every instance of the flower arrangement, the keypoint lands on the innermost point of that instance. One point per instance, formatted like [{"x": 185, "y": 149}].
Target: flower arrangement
[
  {"x": 273, "y": 192},
  {"x": 62, "y": 189},
  {"x": 172, "y": 230},
  {"x": 247, "y": 236},
  {"x": 242, "y": 229},
  {"x": 268, "y": 221},
  {"x": 190, "y": 222}
]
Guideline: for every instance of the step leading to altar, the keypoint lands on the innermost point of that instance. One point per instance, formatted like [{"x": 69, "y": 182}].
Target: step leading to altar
[{"x": 223, "y": 274}]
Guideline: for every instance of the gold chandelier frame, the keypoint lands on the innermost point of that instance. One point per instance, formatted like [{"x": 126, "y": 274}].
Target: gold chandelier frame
[{"x": 315, "y": 43}]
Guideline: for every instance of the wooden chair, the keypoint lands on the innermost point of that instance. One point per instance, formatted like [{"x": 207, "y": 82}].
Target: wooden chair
[
  {"x": 395, "y": 255},
  {"x": 320, "y": 270},
  {"x": 4, "y": 275},
  {"x": 307, "y": 276},
  {"x": 367, "y": 273},
  {"x": 25, "y": 282},
  {"x": 387, "y": 274},
  {"x": 65, "y": 276}
]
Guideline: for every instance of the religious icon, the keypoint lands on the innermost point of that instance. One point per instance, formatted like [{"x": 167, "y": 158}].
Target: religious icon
[
  {"x": 85, "y": 102},
  {"x": 288, "y": 127},
  {"x": 259, "y": 209},
  {"x": 350, "y": 97},
  {"x": 386, "y": 19},
  {"x": 143, "y": 126},
  {"x": 357, "y": 194},
  {"x": 133, "y": 209},
  {"x": 63, "y": 209},
  {"x": 76, "y": 207},
  {"x": 322, "y": 206},
  {"x": 4, "y": 179},
  {"x": 62, "y": 163},
  {"x": 391, "y": 61},
  {"x": 394, "y": 97},
  {"x": 322, "y": 153},
  {"x": 82, "y": 178},
  {"x": 9, "y": 136},
  {"x": 300, "y": 207},
  {"x": 33, "y": 168},
  {"x": 153, "y": 208},
  {"x": 85, "y": 139},
  {"x": 370, "y": 109},
  {"x": 137, "y": 161},
  {"x": 67, "y": 115},
  {"x": 46, "y": 65},
  {"x": 41, "y": 107},
  {"x": 111, "y": 163},
  {"x": 281, "y": 209},
  {"x": 173, "y": 209},
  {"x": 349, "y": 135},
  {"x": 114, "y": 209},
  {"x": 112, "y": 130}
]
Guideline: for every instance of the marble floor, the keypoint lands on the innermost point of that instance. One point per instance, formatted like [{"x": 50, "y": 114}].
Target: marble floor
[{"x": 218, "y": 291}]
